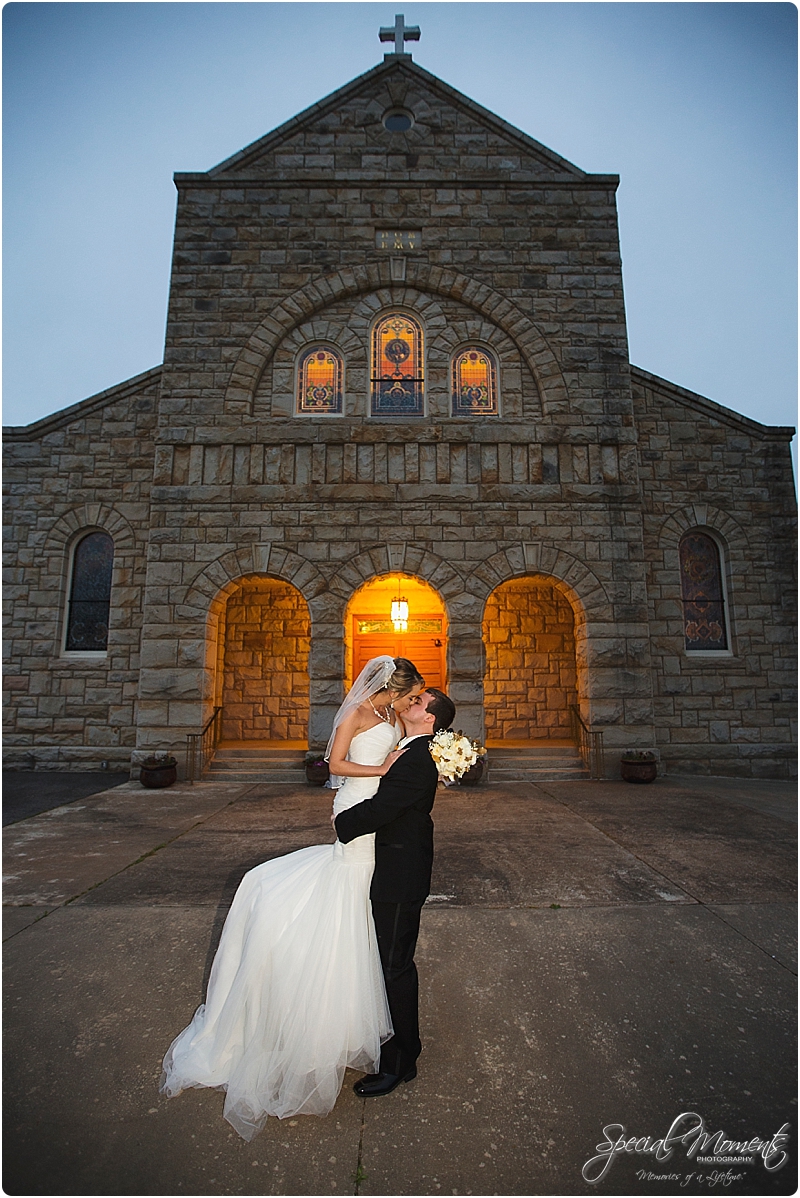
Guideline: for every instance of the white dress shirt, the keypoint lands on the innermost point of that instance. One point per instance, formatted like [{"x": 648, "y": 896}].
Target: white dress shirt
[{"x": 408, "y": 739}]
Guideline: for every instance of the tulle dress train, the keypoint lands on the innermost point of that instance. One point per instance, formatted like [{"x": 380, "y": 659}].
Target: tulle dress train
[{"x": 296, "y": 992}]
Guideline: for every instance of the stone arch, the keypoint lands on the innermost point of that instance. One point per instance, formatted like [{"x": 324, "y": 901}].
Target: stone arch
[
  {"x": 479, "y": 331},
  {"x": 262, "y": 640},
  {"x": 542, "y": 558},
  {"x": 581, "y": 587},
  {"x": 735, "y": 552},
  {"x": 304, "y": 303},
  {"x": 396, "y": 557},
  {"x": 424, "y": 311},
  {"x": 220, "y": 576},
  {"x": 464, "y": 651},
  {"x": 424, "y": 643},
  {"x": 281, "y": 400},
  {"x": 532, "y": 665},
  {"x": 90, "y": 516},
  {"x": 735, "y": 538},
  {"x": 58, "y": 548},
  {"x": 204, "y": 603},
  {"x": 418, "y": 303}
]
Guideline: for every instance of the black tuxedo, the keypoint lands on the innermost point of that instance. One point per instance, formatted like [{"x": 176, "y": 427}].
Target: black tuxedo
[{"x": 399, "y": 815}]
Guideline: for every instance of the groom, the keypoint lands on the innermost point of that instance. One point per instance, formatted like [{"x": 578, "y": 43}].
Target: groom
[{"x": 399, "y": 814}]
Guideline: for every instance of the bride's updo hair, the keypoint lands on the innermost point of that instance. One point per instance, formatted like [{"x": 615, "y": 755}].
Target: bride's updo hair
[{"x": 405, "y": 677}]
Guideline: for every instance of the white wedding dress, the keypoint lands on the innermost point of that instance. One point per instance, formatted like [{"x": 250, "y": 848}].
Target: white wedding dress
[{"x": 296, "y": 992}]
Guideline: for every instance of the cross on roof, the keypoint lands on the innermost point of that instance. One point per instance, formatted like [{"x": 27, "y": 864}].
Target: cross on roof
[{"x": 399, "y": 33}]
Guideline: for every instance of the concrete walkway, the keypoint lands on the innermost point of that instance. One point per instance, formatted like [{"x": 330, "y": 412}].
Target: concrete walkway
[
  {"x": 592, "y": 954},
  {"x": 29, "y": 792}
]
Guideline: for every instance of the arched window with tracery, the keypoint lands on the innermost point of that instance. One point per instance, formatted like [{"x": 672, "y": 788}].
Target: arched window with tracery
[
  {"x": 474, "y": 383},
  {"x": 90, "y": 594},
  {"x": 397, "y": 373},
  {"x": 703, "y": 593},
  {"x": 320, "y": 378}
]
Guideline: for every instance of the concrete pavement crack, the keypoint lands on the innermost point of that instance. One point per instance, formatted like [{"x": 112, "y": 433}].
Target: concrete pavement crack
[{"x": 360, "y": 1175}]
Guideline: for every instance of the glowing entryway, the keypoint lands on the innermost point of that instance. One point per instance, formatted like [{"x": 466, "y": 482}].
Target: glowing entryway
[
  {"x": 530, "y": 683},
  {"x": 370, "y": 632},
  {"x": 264, "y": 637}
]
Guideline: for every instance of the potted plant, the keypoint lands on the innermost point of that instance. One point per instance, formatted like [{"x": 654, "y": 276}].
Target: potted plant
[
  {"x": 638, "y": 765},
  {"x": 317, "y": 772},
  {"x": 158, "y": 770}
]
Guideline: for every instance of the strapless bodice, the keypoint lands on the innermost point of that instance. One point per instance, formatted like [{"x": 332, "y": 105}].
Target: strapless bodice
[
  {"x": 366, "y": 748},
  {"x": 371, "y": 746}
]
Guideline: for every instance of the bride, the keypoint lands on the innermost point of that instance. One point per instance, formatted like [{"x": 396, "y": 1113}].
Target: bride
[{"x": 296, "y": 992}]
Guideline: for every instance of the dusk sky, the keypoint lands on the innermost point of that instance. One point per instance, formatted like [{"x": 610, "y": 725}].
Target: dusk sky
[{"x": 694, "y": 105}]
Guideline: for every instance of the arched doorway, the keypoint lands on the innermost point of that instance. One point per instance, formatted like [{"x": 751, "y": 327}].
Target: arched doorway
[
  {"x": 531, "y": 671},
  {"x": 263, "y": 644},
  {"x": 370, "y": 631}
]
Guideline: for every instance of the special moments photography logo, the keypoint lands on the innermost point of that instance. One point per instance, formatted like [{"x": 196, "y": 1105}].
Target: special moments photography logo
[{"x": 702, "y": 1147}]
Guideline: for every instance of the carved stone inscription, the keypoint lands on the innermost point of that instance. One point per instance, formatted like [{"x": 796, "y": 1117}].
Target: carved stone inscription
[{"x": 398, "y": 239}]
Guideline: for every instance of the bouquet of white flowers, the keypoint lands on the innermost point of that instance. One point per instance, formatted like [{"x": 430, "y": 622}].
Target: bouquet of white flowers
[{"x": 454, "y": 753}]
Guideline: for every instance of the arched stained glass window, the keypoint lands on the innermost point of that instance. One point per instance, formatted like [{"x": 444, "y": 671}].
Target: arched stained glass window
[
  {"x": 90, "y": 594},
  {"x": 397, "y": 376},
  {"x": 474, "y": 383},
  {"x": 319, "y": 382},
  {"x": 702, "y": 592}
]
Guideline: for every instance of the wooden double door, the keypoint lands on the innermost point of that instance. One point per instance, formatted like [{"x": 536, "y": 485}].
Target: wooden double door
[{"x": 424, "y": 643}]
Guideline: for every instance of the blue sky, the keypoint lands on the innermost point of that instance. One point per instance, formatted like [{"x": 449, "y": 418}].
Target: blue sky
[{"x": 694, "y": 105}]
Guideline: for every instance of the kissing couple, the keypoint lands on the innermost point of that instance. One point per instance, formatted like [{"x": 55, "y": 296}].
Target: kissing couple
[{"x": 315, "y": 969}]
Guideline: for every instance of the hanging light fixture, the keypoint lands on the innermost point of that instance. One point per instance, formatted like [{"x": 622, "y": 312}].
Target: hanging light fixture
[{"x": 400, "y": 611}]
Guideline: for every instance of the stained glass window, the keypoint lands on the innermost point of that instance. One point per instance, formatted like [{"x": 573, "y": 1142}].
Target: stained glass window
[
  {"x": 319, "y": 382},
  {"x": 474, "y": 383},
  {"x": 90, "y": 594},
  {"x": 702, "y": 593},
  {"x": 397, "y": 367}
]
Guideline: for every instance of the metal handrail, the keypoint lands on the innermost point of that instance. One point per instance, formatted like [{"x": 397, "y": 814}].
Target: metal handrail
[
  {"x": 590, "y": 744},
  {"x": 200, "y": 747}
]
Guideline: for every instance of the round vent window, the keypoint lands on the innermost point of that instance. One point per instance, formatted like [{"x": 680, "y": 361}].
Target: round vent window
[{"x": 398, "y": 120}]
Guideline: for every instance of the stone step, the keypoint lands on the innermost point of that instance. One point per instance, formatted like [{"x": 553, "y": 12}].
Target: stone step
[
  {"x": 543, "y": 763},
  {"x": 544, "y": 774},
  {"x": 258, "y": 765},
  {"x": 257, "y": 777},
  {"x": 541, "y": 750},
  {"x": 536, "y": 763},
  {"x": 532, "y": 758},
  {"x": 246, "y": 763},
  {"x": 296, "y": 755}
]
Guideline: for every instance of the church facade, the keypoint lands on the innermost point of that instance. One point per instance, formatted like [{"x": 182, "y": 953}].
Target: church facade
[{"x": 396, "y": 370}]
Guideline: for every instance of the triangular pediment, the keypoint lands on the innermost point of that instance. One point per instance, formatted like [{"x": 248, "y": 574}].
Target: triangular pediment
[{"x": 343, "y": 137}]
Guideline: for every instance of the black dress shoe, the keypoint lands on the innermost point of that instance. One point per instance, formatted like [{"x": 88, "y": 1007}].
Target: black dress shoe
[{"x": 376, "y": 1084}]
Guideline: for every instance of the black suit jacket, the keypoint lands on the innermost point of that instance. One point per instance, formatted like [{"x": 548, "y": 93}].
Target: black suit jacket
[{"x": 399, "y": 814}]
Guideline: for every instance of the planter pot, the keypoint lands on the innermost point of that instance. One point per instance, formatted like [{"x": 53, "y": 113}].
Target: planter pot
[
  {"x": 156, "y": 776},
  {"x": 473, "y": 774},
  {"x": 638, "y": 771},
  {"x": 317, "y": 773}
]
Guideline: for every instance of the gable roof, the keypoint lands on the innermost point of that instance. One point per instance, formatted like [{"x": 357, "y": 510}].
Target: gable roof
[
  {"x": 709, "y": 408},
  {"x": 330, "y": 135},
  {"x": 48, "y": 424}
]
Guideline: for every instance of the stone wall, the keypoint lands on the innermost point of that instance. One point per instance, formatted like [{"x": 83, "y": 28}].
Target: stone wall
[
  {"x": 703, "y": 466},
  {"x": 577, "y": 479},
  {"x": 530, "y": 682},
  {"x": 265, "y": 687},
  {"x": 88, "y": 467}
]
